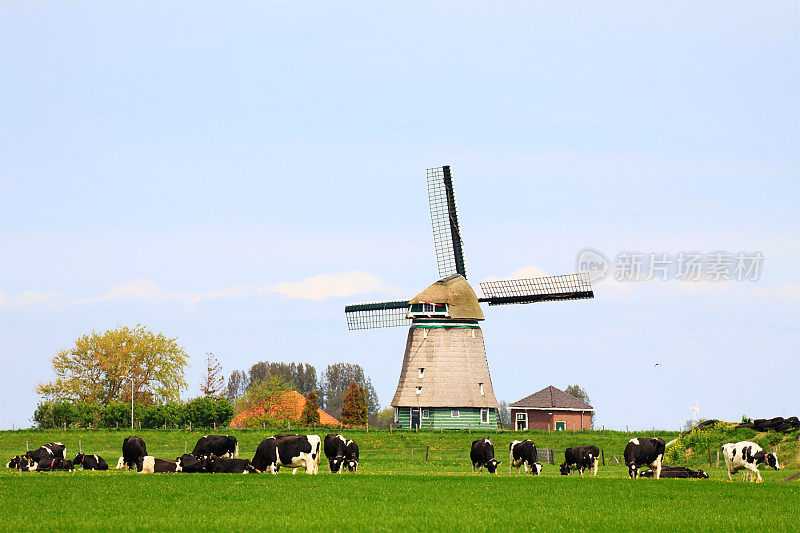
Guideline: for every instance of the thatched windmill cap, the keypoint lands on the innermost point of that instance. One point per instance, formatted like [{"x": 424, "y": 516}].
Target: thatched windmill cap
[{"x": 456, "y": 293}]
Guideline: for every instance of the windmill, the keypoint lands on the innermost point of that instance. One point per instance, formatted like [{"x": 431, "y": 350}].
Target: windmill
[{"x": 444, "y": 381}]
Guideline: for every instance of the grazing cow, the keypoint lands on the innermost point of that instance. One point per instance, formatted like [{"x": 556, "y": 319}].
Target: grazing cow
[
  {"x": 90, "y": 462},
  {"x": 747, "y": 455},
  {"x": 152, "y": 465},
  {"x": 351, "y": 456},
  {"x": 47, "y": 451},
  {"x": 224, "y": 465},
  {"x": 191, "y": 464},
  {"x": 676, "y": 472},
  {"x": 482, "y": 454},
  {"x": 644, "y": 451},
  {"x": 581, "y": 457},
  {"x": 293, "y": 451},
  {"x": 51, "y": 463},
  {"x": 133, "y": 452},
  {"x": 523, "y": 453},
  {"x": 219, "y": 445},
  {"x": 334, "y": 446}
]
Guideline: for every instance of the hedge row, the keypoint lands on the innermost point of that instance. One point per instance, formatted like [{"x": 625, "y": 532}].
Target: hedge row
[{"x": 199, "y": 412}]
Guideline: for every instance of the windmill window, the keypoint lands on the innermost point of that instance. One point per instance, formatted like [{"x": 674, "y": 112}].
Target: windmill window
[
  {"x": 426, "y": 413},
  {"x": 419, "y": 390},
  {"x": 484, "y": 416},
  {"x": 429, "y": 309},
  {"x": 482, "y": 391},
  {"x": 455, "y": 413},
  {"x": 421, "y": 373}
]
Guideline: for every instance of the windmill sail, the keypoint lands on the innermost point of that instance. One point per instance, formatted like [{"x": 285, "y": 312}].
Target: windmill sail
[
  {"x": 377, "y": 315},
  {"x": 525, "y": 291},
  {"x": 444, "y": 219}
]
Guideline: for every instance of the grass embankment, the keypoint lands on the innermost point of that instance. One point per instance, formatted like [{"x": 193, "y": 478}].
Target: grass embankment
[{"x": 390, "y": 493}]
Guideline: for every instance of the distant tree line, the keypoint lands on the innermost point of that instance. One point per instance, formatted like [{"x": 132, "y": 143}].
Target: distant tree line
[
  {"x": 330, "y": 386},
  {"x": 199, "y": 412}
]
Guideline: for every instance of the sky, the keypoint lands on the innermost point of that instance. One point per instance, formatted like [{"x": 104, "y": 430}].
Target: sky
[{"x": 233, "y": 174}]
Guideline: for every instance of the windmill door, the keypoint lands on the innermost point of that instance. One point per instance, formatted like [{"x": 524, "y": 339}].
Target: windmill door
[{"x": 414, "y": 417}]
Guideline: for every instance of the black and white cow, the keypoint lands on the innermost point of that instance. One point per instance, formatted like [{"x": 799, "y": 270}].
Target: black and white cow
[
  {"x": 747, "y": 455},
  {"x": 18, "y": 462},
  {"x": 580, "y": 457},
  {"x": 644, "y": 451},
  {"x": 676, "y": 472},
  {"x": 293, "y": 451},
  {"x": 482, "y": 454},
  {"x": 134, "y": 451},
  {"x": 47, "y": 451},
  {"x": 90, "y": 462},
  {"x": 219, "y": 445},
  {"x": 224, "y": 465},
  {"x": 341, "y": 453},
  {"x": 191, "y": 464},
  {"x": 51, "y": 464},
  {"x": 153, "y": 465},
  {"x": 522, "y": 453}
]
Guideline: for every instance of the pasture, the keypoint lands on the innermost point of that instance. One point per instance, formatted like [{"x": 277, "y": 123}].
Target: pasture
[{"x": 391, "y": 491}]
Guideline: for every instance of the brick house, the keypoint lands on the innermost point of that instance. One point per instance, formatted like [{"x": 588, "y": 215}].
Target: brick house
[{"x": 551, "y": 409}]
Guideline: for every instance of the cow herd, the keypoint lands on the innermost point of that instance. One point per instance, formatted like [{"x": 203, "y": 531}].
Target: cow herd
[
  {"x": 639, "y": 452},
  {"x": 220, "y": 454},
  {"x": 211, "y": 454}
]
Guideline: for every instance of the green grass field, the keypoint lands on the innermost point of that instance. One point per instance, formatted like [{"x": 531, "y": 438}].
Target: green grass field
[{"x": 391, "y": 492}]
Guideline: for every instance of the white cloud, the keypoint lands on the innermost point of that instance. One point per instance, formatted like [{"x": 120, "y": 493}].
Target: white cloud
[
  {"x": 31, "y": 298},
  {"x": 134, "y": 290},
  {"x": 337, "y": 285}
]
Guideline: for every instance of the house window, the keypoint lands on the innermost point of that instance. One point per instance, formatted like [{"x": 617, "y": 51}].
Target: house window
[
  {"x": 421, "y": 373},
  {"x": 419, "y": 390},
  {"x": 396, "y": 415},
  {"x": 426, "y": 413},
  {"x": 484, "y": 416},
  {"x": 520, "y": 416},
  {"x": 454, "y": 413},
  {"x": 482, "y": 393}
]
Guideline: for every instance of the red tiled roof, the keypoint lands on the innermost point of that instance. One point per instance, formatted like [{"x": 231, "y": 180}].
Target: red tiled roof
[{"x": 291, "y": 406}]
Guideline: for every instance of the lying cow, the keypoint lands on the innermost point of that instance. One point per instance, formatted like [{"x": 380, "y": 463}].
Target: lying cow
[
  {"x": 51, "y": 464},
  {"x": 47, "y": 451},
  {"x": 482, "y": 454},
  {"x": 676, "y": 472},
  {"x": 219, "y": 445},
  {"x": 191, "y": 464},
  {"x": 90, "y": 462},
  {"x": 747, "y": 455},
  {"x": 224, "y": 465},
  {"x": 644, "y": 451},
  {"x": 134, "y": 451},
  {"x": 293, "y": 451},
  {"x": 341, "y": 453},
  {"x": 18, "y": 462},
  {"x": 522, "y": 453},
  {"x": 580, "y": 457},
  {"x": 153, "y": 465}
]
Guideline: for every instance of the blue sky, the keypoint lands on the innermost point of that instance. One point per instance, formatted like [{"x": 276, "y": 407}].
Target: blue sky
[{"x": 233, "y": 174}]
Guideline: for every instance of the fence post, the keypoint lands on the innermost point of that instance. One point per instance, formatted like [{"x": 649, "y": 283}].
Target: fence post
[
  {"x": 185, "y": 446},
  {"x": 654, "y": 431},
  {"x": 27, "y": 449},
  {"x": 80, "y": 446},
  {"x": 140, "y": 425},
  {"x": 626, "y": 429},
  {"x": 427, "y": 451},
  {"x": 65, "y": 426},
  {"x": 717, "y": 465}
]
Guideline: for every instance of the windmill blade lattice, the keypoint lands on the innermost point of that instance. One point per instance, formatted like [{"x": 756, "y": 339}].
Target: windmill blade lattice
[
  {"x": 444, "y": 219},
  {"x": 576, "y": 286},
  {"x": 377, "y": 315}
]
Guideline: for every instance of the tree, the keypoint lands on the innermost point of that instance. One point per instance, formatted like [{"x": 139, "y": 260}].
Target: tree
[
  {"x": 238, "y": 384},
  {"x": 310, "y": 414},
  {"x": 101, "y": 368},
  {"x": 302, "y": 377},
  {"x": 384, "y": 418},
  {"x": 504, "y": 416},
  {"x": 213, "y": 382},
  {"x": 354, "y": 406},
  {"x": 334, "y": 386}
]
